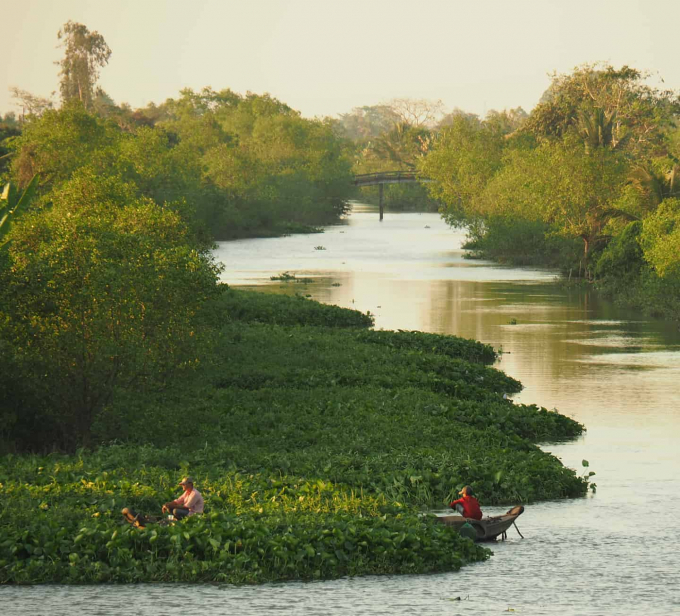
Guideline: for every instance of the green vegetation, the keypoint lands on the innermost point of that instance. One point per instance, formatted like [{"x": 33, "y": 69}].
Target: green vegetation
[
  {"x": 257, "y": 528},
  {"x": 317, "y": 442},
  {"x": 391, "y": 137},
  {"x": 241, "y": 165},
  {"x": 315, "y": 446},
  {"x": 102, "y": 290},
  {"x": 285, "y": 310},
  {"x": 562, "y": 185},
  {"x": 12, "y": 204},
  {"x": 555, "y": 187}
]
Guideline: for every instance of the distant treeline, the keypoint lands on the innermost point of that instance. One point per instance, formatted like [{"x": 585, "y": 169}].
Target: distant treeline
[
  {"x": 589, "y": 182},
  {"x": 240, "y": 165},
  {"x": 106, "y": 276},
  {"x": 107, "y": 218}
]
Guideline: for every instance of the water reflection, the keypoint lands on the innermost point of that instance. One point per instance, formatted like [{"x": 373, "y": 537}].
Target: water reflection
[{"x": 608, "y": 368}]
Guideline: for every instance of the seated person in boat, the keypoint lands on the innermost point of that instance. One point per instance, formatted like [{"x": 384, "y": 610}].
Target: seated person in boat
[
  {"x": 468, "y": 505},
  {"x": 189, "y": 503}
]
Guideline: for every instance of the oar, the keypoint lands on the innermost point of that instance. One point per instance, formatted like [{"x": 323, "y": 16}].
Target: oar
[{"x": 517, "y": 529}]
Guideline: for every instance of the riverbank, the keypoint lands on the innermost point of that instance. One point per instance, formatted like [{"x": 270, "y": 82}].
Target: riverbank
[
  {"x": 623, "y": 277},
  {"x": 316, "y": 445},
  {"x": 273, "y": 230}
]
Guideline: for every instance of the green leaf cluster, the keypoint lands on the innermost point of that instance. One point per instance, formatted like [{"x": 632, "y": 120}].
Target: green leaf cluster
[
  {"x": 597, "y": 153},
  {"x": 259, "y": 529},
  {"x": 101, "y": 290},
  {"x": 313, "y": 445}
]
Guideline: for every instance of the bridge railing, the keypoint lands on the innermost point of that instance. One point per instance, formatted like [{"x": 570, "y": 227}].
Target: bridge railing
[{"x": 387, "y": 177}]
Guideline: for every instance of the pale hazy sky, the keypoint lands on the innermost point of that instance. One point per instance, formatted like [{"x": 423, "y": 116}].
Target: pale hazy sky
[{"x": 324, "y": 58}]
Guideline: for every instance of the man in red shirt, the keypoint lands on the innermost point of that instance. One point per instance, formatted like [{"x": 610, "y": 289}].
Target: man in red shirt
[{"x": 468, "y": 505}]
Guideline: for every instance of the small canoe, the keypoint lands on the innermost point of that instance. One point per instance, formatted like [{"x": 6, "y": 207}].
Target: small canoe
[{"x": 489, "y": 528}]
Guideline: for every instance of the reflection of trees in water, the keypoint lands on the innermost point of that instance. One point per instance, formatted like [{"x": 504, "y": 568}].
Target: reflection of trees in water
[
  {"x": 547, "y": 351},
  {"x": 533, "y": 324}
]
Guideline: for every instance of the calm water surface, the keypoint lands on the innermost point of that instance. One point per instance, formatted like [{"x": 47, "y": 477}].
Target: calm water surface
[{"x": 615, "y": 371}]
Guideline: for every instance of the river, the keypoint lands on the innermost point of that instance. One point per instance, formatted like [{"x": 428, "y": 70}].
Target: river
[{"x": 613, "y": 370}]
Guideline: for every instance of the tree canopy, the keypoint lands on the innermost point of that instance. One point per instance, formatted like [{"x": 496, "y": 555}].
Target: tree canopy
[
  {"x": 100, "y": 290},
  {"x": 85, "y": 53},
  {"x": 597, "y": 152}
]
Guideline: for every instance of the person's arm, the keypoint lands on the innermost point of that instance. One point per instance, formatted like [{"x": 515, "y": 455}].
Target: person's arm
[{"x": 169, "y": 506}]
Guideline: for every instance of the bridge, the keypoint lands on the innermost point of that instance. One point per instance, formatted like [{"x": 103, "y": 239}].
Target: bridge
[{"x": 388, "y": 177}]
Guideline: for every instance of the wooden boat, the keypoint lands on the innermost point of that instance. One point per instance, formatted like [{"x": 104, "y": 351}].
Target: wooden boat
[{"x": 489, "y": 528}]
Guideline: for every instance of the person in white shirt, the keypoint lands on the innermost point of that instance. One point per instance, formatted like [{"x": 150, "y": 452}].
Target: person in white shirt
[{"x": 189, "y": 503}]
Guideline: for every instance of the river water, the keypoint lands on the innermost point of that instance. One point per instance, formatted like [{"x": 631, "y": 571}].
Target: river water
[{"x": 613, "y": 370}]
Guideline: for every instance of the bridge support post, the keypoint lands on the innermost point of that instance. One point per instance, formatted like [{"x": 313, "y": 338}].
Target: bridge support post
[{"x": 381, "y": 186}]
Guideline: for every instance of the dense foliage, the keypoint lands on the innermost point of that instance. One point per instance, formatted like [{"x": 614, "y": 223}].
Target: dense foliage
[
  {"x": 562, "y": 185},
  {"x": 65, "y": 526},
  {"x": 316, "y": 441},
  {"x": 313, "y": 445},
  {"x": 245, "y": 165},
  {"x": 102, "y": 290}
]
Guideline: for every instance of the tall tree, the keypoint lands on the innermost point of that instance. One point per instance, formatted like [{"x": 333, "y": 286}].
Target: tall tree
[
  {"x": 85, "y": 53},
  {"x": 606, "y": 107},
  {"x": 30, "y": 104},
  {"x": 417, "y": 112},
  {"x": 102, "y": 290}
]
